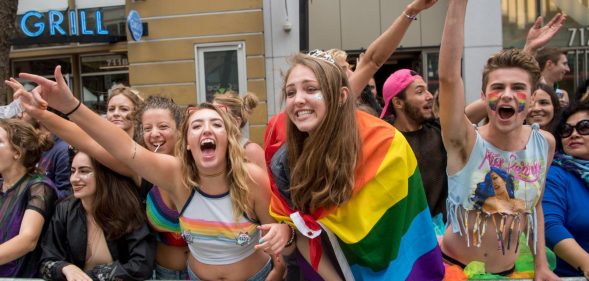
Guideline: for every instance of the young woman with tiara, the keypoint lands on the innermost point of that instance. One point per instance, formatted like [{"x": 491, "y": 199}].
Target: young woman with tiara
[
  {"x": 347, "y": 177},
  {"x": 220, "y": 196}
]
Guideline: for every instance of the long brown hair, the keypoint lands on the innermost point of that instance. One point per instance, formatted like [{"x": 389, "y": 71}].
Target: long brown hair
[
  {"x": 322, "y": 164},
  {"x": 237, "y": 174},
  {"x": 116, "y": 207}
]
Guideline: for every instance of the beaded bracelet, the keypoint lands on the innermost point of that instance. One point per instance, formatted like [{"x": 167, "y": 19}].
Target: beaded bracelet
[
  {"x": 411, "y": 18},
  {"x": 293, "y": 235}
]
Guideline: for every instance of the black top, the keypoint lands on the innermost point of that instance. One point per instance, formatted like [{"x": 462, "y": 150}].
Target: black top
[
  {"x": 432, "y": 160},
  {"x": 66, "y": 239}
]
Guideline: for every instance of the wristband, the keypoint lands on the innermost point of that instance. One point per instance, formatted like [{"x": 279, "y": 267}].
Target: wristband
[
  {"x": 75, "y": 108},
  {"x": 411, "y": 18}
]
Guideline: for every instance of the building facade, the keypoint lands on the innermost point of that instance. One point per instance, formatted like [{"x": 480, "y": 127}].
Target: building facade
[{"x": 190, "y": 50}]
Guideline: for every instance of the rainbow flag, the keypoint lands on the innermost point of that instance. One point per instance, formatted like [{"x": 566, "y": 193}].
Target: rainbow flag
[{"x": 385, "y": 230}]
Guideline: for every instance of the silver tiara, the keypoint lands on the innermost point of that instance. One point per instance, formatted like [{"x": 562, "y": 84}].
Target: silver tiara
[{"x": 320, "y": 54}]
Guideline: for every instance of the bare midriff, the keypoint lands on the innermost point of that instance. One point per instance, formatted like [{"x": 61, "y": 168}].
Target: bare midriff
[
  {"x": 490, "y": 251},
  {"x": 171, "y": 257},
  {"x": 240, "y": 270}
]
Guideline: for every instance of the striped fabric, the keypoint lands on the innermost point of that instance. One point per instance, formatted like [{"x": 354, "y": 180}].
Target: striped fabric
[
  {"x": 385, "y": 230},
  {"x": 163, "y": 220}
]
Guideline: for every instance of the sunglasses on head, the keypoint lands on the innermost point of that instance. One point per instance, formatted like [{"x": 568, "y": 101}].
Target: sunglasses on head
[{"x": 582, "y": 128}]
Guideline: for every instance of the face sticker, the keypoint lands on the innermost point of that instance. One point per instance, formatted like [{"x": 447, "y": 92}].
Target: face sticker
[
  {"x": 493, "y": 99},
  {"x": 521, "y": 101},
  {"x": 318, "y": 96}
]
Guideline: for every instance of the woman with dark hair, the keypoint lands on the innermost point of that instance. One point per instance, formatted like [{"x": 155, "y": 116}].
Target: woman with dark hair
[
  {"x": 545, "y": 109},
  {"x": 567, "y": 193},
  {"x": 86, "y": 240},
  {"x": 496, "y": 194},
  {"x": 27, "y": 199}
]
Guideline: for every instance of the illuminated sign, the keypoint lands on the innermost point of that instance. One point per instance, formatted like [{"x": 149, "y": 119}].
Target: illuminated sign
[{"x": 35, "y": 24}]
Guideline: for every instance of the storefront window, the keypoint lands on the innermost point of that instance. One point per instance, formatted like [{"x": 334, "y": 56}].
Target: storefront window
[
  {"x": 99, "y": 74},
  {"x": 43, "y": 67},
  {"x": 221, "y": 67}
]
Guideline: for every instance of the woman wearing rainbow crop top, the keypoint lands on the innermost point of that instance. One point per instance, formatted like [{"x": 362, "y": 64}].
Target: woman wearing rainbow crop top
[
  {"x": 159, "y": 118},
  {"x": 210, "y": 167}
]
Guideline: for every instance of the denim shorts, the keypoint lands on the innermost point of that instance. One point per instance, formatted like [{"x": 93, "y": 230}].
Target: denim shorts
[
  {"x": 259, "y": 276},
  {"x": 162, "y": 273}
]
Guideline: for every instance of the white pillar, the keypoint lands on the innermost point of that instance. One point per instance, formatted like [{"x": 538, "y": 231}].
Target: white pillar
[
  {"x": 281, "y": 38},
  {"x": 482, "y": 38}
]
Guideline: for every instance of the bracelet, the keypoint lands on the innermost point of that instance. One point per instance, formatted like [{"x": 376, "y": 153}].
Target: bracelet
[
  {"x": 293, "y": 235},
  {"x": 411, "y": 18},
  {"x": 75, "y": 108}
]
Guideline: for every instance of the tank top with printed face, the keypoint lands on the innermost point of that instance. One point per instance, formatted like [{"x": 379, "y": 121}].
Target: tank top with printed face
[
  {"x": 493, "y": 181},
  {"x": 213, "y": 234}
]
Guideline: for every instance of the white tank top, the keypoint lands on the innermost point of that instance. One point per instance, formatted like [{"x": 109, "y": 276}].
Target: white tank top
[{"x": 211, "y": 232}]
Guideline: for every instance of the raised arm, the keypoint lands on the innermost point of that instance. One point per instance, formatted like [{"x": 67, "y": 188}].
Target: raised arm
[
  {"x": 73, "y": 135},
  {"x": 379, "y": 51},
  {"x": 457, "y": 133},
  {"x": 162, "y": 170},
  {"x": 539, "y": 36}
]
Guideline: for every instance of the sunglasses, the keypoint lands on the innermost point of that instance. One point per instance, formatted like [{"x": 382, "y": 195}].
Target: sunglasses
[{"x": 582, "y": 128}]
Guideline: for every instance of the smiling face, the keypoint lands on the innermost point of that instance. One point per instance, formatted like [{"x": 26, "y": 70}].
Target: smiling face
[
  {"x": 82, "y": 177},
  {"x": 542, "y": 109},
  {"x": 507, "y": 95},
  {"x": 557, "y": 70},
  {"x": 305, "y": 103},
  {"x": 577, "y": 145},
  {"x": 207, "y": 140},
  {"x": 159, "y": 130},
  {"x": 119, "y": 108}
]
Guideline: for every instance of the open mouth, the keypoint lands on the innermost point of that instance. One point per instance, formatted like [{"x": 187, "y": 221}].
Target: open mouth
[
  {"x": 302, "y": 113},
  {"x": 157, "y": 145},
  {"x": 505, "y": 112},
  {"x": 208, "y": 147}
]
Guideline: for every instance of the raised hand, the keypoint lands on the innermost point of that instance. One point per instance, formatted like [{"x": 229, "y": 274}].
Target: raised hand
[
  {"x": 56, "y": 93},
  {"x": 420, "y": 5},
  {"x": 540, "y": 34}
]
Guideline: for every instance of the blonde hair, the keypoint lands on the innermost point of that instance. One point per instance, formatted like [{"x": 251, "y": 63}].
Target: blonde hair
[
  {"x": 322, "y": 164},
  {"x": 338, "y": 54},
  {"x": 239, "y": 107},
  {"x": 237, "y": 173}
]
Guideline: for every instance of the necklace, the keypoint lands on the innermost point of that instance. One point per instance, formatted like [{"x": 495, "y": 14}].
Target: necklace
[
  {"x": 6, "y": 186},
  {"x": 213, "y": 174}
]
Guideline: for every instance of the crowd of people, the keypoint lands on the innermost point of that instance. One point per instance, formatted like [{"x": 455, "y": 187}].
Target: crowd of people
[{"x": 347, "y": 186}]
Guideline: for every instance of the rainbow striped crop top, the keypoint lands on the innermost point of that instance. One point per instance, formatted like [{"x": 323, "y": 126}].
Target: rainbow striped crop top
[{"x": 163, "y": 221}]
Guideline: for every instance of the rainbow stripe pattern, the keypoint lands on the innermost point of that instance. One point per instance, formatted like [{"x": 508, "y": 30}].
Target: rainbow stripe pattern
[{"x": 385, "y": 230}]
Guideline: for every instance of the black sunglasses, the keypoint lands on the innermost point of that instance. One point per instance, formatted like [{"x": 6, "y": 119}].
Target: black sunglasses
[{"x": 582, "y": 128}]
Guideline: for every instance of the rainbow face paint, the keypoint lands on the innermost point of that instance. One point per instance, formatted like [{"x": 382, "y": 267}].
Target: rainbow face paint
[
  {"x": 521, "y": 101},
  {"x": 493, "y": 99}
]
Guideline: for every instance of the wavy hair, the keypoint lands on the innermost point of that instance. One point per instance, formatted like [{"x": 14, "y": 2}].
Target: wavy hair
[
  {"x": 27, "y": 141},
  {"x": 115, "y": 192},
  {"x": 512, "y": 58},
  {"x": 322, "y": 164},
  {"x": 237, "y": 174},
  {"x": 137, "y": 101}
]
